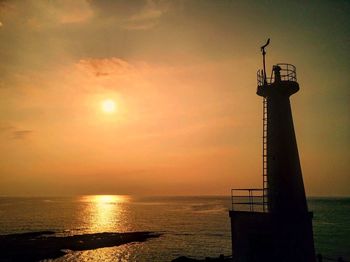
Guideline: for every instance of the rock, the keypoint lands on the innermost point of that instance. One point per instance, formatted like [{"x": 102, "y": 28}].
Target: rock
[{"x": 35, "y": 246}]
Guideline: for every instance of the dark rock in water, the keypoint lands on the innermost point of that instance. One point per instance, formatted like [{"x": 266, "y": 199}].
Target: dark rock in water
[
  {"x": 213, "y": 259},
  {"x": 35, "y": 246},
  {"x": 184, "y": 259}
]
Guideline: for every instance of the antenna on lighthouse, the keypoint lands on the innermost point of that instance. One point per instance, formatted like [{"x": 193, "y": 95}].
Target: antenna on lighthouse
[{"x": 264, "y": 53}]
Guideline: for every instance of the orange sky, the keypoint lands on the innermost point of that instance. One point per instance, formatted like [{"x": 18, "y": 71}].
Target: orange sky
[{"x": 183, "y": 76}]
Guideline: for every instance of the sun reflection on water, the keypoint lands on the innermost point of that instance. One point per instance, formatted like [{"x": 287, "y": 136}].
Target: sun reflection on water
[{"x": 105, "y": 212}]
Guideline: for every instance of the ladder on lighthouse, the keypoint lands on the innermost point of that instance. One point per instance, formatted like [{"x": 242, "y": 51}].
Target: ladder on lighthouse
[{"x": 265, "y": 181}]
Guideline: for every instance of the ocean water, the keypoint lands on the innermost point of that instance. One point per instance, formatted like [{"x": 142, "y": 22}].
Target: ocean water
[{"x": 191, "y": 226}]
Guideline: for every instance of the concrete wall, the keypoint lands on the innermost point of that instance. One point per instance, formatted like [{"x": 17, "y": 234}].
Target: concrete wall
[{"x": 267, "y": 237}]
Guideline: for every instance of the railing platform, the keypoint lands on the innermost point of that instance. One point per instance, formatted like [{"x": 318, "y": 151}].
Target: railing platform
[
  {"x": 248, "y": 199},
  {"x": 288, "y": 73}
]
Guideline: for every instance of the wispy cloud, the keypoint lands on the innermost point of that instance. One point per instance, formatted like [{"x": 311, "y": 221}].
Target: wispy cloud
[
  {"x": 105, "y": 66},
  {"x": 21, "y": 134},
  {"x": 76, "y": 11},
  {"x": 132, "y": 15},
  {"x": 147, "y": 17},
  {"x": 38, "y": 14},
  {"x": 6, "y": 128},
  {"x": 14, "y": 132}
]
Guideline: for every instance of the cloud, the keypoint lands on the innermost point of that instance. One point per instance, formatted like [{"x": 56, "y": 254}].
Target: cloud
[
  {"x": 15, "y": 132},
  {"x": 132, "y": 15},
  {"x": 147, "y": 18},
  {"x": 111, "y": 8},
  {"x": 21, "y": 134},
  {"x": 6, "y": 128},
  {"x": 39, "y": 14},
  {"x": 76, "y": 11},
  {"x": 106, "y": 73},
  {"x": 105, "y": 66}
]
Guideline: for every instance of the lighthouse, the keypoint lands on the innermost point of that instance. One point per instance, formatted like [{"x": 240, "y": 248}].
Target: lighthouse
[{"x": 273, "y": 223}]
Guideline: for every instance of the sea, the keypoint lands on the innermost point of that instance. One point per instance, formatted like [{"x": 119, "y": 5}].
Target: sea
[{"x": 195, "y": 226}]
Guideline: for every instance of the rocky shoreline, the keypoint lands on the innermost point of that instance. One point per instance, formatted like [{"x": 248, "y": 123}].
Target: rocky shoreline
[
  {"x": 212, "y": 259},
  {"x": 35, "y": 246}
]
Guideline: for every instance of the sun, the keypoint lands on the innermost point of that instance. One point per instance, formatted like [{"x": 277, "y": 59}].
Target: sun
[{"x": 108, "y": 106}]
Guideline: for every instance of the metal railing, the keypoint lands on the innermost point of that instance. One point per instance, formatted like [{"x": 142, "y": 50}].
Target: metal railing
[
  {"x": 287, "y": 72},
  {"x": 321, "y": 258},
  {"x": 248, "y": 199}
]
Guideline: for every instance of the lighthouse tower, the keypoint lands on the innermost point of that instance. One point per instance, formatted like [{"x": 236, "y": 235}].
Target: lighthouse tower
[{"x": 277, "y": 225}]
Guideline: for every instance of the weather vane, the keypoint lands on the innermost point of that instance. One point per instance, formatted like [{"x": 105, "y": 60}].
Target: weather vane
[{"x": 264, "y": 53}]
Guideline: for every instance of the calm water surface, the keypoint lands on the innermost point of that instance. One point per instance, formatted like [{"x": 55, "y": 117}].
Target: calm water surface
[{"x": 192, "y": 226}]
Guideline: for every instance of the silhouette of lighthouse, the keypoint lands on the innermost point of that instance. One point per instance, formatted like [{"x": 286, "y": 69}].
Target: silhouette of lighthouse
[{"x": 277, "y": 225}]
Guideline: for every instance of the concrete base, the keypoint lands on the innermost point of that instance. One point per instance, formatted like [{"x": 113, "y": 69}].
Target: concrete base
[{"x": 267, "y": 237}]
